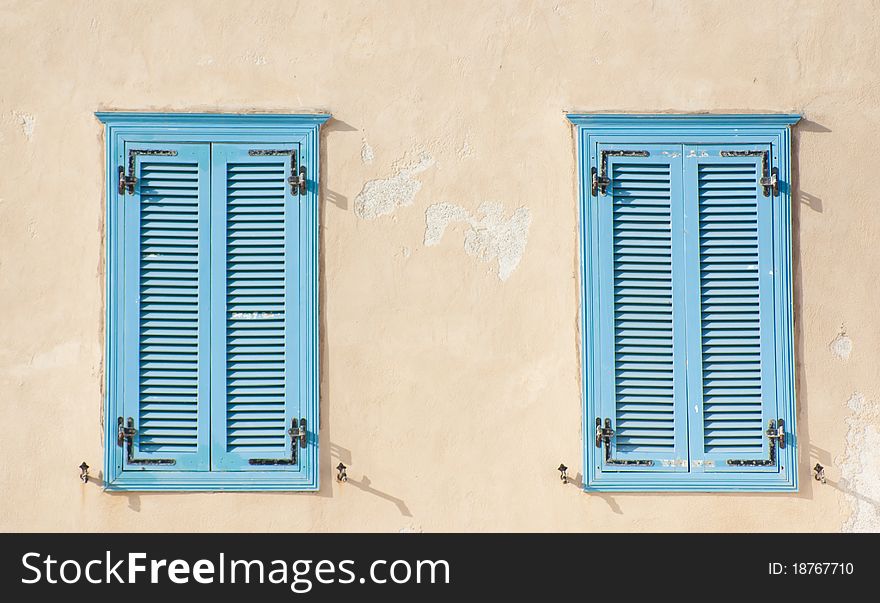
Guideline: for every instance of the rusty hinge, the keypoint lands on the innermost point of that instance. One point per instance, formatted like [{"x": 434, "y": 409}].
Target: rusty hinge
[
  {"x": 125, "y": 436},
  {"x": 297, "y": 178},
  {"x": 127, "y": 183},
  {"x": 298, "y": 435},
  {"x": 769, "y": 179},
  {"x": 603, "y": 436},
  {"x": 599, "y": 178},
  {"x": 776, "y": 434}
]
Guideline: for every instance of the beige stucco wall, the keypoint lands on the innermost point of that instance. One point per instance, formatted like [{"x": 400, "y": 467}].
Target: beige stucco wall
[{"x": 451, "y": 394}]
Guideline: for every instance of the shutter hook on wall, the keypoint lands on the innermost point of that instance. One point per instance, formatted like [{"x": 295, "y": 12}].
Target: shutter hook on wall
[
  {"x": 84, "y": 472},
  {"x": 819, "y": 474},
  {"x": 563, "y": 473},
  {"x": 341, "y": 475}
]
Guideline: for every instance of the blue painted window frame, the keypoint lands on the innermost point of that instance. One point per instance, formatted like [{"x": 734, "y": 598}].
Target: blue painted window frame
[
  {"x": 759, "y": 129},
  {"x": 302, "y": 129}
]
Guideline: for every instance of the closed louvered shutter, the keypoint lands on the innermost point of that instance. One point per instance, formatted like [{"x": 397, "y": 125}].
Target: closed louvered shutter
[
  {"x": 730, "y": 305},
  {"x": 642, "y": 316},
  {"x": 255, "y": 380},
  {"x": 165, "y": 306}
]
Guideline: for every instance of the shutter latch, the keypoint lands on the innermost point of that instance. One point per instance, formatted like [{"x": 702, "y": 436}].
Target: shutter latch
[{"x": 604, "y": 433}]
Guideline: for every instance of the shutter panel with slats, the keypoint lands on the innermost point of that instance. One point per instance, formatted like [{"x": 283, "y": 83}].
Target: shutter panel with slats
[
  {"x": 642, "y": 322},
  {"x": 255, "y": 370},
  {"x": 731, "y": 352},
  {"x": 165, "y": 306}
]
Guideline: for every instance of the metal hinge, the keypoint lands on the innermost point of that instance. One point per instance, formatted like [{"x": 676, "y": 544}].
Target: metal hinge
[
  {"x": 776, "y": 434},
  {"x": 298, "y": 434},
  {"x": 599, "y": 178},
  {"x": 769, "y": 179},
  {"x": 298, "y": 181},
  {"x": 125, "y": 436},
  {"x": 297, "y": 178},
  {"x": 127, "y": 183},
  {"x": 604, "y": 433}
]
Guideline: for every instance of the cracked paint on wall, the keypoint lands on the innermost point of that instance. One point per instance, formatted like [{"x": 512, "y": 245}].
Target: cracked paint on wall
[
  {"x": 489, "y": 238},
  {"x": 860, "y": 465},
  {"x": 841, "y": 346},
  {"x": 383, "y": 196}
]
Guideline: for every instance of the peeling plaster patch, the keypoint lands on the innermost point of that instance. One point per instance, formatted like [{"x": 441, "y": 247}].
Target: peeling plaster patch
[
  {"x": 256, "y": 59},
  {"x": 27, "y": 121},
  {"x": 489, "y": 238},
  {"x": 383, "y": 196},
  {"x": 465, "y": 151},
  {"x": 205, "y": 61},
  {"x": 411, "y": 529},
  {"x": 841, "y": 346},
  {"x": 860, "y": 465},
  {"x": 406, "y": 251},
  {"x": 367, "y": 155}
]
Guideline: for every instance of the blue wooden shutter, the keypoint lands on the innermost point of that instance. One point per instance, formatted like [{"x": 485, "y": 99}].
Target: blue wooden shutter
[
  {"x": 165, "y": 306},
  {"x": 256, "y": 394},
  {"x": 732, "y": 381},
  {"x": 643, "y": 383}
]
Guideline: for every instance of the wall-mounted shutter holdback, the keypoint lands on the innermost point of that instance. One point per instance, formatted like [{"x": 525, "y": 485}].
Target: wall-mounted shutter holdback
[
  {"x": 769, "y": 180},
  {"x": 603, "y": 436},
  {"x": 125, "y": 436},
  {"x": 600, "y": 180},
  {"x": 296, "y": 432},
  {"x": 297, "y": 178},
  {"x": 127, "y": 183}
]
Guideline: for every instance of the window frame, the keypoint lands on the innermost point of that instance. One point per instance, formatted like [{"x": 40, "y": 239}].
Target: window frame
[
  {"x": 773, "y": 129},
  {"x": 120, "y": 127}
]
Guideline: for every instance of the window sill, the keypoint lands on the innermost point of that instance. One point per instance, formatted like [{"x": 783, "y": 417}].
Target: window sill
[{"x": 231, "y": 481}]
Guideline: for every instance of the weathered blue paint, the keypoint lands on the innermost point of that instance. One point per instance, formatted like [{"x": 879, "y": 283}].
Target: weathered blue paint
[
  {"x": 195, "y": 134},
  {"x": 690, "y": 135}
]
